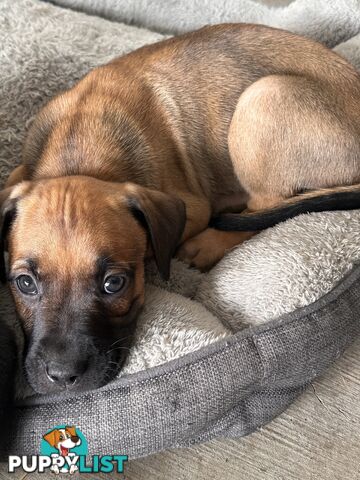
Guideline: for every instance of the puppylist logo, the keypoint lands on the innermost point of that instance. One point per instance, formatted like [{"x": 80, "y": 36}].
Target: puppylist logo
[{"x": 64, "y": 449}]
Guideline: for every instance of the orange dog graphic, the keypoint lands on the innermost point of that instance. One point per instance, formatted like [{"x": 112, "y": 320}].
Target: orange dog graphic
[{"x": 63, "y": 439}]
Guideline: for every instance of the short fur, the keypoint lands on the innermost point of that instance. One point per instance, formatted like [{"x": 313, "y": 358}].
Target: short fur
[{"x": 135, "y": 159}]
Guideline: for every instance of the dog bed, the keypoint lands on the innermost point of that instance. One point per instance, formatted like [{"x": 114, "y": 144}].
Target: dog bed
[
  {"x": 329, "y": 22},
  {"x": 215, "y": 354}
]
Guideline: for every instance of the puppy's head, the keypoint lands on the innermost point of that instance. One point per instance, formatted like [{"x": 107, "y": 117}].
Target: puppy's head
[
  {"x": 63, "y": 439},
  {"x": 76, "y": 271}
]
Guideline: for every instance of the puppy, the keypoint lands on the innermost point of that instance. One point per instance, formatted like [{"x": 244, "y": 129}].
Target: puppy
[
  {"x": 136, "y": 158},
  {"x": 63, "y": 439}
]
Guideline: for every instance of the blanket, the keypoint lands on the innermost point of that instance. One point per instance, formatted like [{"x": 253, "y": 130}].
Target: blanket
[{"x": 330, "y": 22}]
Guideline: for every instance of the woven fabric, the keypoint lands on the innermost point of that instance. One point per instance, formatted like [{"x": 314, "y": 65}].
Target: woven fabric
[{"x": 226, "y": 389}]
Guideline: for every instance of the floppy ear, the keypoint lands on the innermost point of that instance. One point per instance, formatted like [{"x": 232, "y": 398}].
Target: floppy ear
[
  {"x": 8, "y": 201},
  {"x": 71, "y": 430},
  {"x": 163, "y": 216},
  {"x": 51, "y": 438}
]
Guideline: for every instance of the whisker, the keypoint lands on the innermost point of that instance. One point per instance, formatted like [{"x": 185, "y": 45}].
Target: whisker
[
  {"x": 120, "y": 340},
  {"x": 118, "y": 348}
]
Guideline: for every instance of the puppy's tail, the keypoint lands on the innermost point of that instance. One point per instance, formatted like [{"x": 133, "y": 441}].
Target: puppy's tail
[{"x": 338, "y": 198}]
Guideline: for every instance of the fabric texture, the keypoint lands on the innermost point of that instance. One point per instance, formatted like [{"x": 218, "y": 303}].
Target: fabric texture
[
  {"x": 330, "y": 22},
  {"x": 243, "y": 380},
  {"x": 194, "y": 398},
  {"x": 282, "y": 269}
]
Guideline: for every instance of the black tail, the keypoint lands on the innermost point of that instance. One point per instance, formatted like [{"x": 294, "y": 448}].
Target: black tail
[{"x": 340, "y": 198}]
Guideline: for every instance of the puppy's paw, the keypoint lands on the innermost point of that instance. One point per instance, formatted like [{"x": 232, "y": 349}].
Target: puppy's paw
[
  {"x": 55, "y": 469},
  {"x": 208, "y": 247},
  {"x": 73, "y": 469},
  {"x": 202, "y": 251}
]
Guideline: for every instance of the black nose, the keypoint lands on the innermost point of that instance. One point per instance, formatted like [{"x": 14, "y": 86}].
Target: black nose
[{"x": 65, "y": 375}]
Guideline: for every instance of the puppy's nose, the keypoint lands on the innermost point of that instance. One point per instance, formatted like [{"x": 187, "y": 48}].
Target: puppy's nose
[{"x": 65, "y": 375}]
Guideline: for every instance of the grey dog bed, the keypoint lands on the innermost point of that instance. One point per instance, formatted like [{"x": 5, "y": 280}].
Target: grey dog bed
[
  {"x": 195, "y": 371},
  {"x": 194, "y": 398}
]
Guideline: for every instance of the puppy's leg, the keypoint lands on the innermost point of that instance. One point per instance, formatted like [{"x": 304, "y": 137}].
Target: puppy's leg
[
  {"x": 290, "y": 134},
  {"x": 198, "y": 212},
  {"x": 287, "y": 134},
  {"x": 196, "y": 240},
  {"x": 208, "y": 247},
  {"x": 203, "y": 247}
]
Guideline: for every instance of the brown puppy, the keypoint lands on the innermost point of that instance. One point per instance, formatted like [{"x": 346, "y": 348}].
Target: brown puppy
[{"x": 136, "y": 158}]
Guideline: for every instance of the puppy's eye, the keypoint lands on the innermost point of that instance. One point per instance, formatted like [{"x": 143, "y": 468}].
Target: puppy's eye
[
  {"x": 114, "y": 283},
  {"x": 26, "y": 285}
]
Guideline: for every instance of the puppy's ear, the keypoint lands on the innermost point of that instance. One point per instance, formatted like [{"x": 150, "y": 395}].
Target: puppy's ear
[
  {"x": 163, "y": 216},
  {"x": 9, "y": 198},
  {"x": 71, "y": 430},
  {"x": 51, "y": 438}
]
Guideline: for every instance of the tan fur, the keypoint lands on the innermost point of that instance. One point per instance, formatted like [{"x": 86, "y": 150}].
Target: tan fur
[
  {"x": 72, "y": 250},
  {"x": 288, "y": 102},
  {"x": 228, "y": 115},
  {"x": 53, "y": 437}
]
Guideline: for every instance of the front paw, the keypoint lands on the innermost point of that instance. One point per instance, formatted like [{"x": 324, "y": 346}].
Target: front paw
[
  {"x": 55, "y": 469},
  {"x": 73, "y": 469},
  {"x": 208, "y": 247},
  {"x": 202, "y": 251}
]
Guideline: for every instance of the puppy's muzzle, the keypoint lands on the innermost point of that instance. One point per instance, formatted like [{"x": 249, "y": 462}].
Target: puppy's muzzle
[
  {"x": 61, "y": 364},
  {"x": 54, "y": 363},
  {"x": 65, "y": 374}
]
